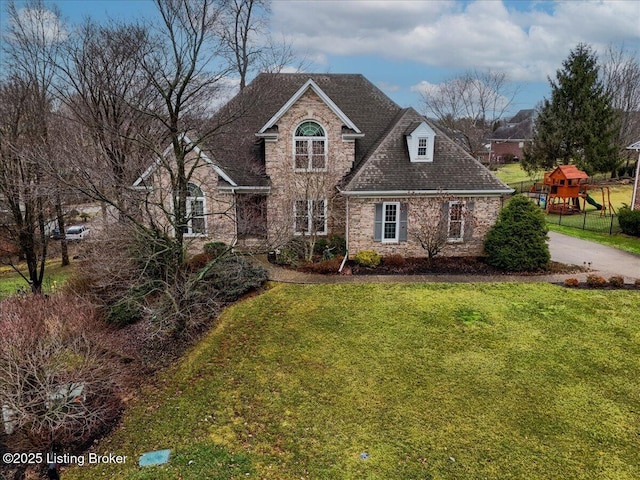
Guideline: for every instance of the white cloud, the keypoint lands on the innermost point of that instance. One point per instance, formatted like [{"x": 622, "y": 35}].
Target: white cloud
[
  {"x": 388, "y": 86},
  {"x": 529, "y": 43},
  {"x": 40, "y": 25}
]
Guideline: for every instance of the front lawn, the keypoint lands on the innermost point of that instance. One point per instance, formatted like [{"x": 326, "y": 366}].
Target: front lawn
[{"x": 399, "y": 381}]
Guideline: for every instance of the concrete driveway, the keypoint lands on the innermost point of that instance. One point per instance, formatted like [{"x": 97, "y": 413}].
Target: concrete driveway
[{"x": 606, "y": 260}]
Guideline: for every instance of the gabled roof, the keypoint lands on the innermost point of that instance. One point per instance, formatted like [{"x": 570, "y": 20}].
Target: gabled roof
[
  {"x": 221, "y": 173},
  {"x": 310, "y": 84},
  {"x": 570, "y": 172},
  {"x": 388, "y": 167},
  {"x": 259, "y": 106}
]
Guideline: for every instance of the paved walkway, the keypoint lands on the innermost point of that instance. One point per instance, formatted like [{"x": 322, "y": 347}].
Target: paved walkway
[{"x": 605, "y": 261}]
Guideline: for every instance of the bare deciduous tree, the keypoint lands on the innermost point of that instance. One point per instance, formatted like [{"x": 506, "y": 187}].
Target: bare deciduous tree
[
  {"x": 31, "y": 44},
  {"x": 470, "y": 106},
  {"x": 621, "y": 78},
  {"x": 435, "y": 221}
]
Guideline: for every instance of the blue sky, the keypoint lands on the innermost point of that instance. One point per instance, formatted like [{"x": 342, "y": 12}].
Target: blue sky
[{"x": 405, "y": 47}]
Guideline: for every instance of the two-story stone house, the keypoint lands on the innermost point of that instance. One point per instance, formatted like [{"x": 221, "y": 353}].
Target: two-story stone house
[{"x": 331, "y": 154}]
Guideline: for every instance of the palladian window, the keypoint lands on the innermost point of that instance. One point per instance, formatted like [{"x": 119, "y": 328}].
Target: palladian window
[{"x": 310, "y": 147}]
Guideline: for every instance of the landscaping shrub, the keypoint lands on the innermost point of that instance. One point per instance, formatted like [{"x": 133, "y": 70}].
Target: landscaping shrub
[
  {"x": 199, "y": 260},
  {"x": 125, "y": 312},
  {"x": 394, "y": 261},
  {"x": 233, "y": 276},
  {"x": 368, "y": 258},
  {"x": 291, "y": 253},
  {"x": 572, "y": 282},
  {"x": 215, "y": 249},
  {"x": 596, "y": 281},
  {"x": 338, "y": 244},
  {"x": 325, "y": 267},
  {"x": 616, "y": 281},
  {"x": 629, "y": 221},
  {"x": 637, "y": 283},
  {"x": 63, "y": 386},
  {"x": 320, "y": 246},
  {"x": 518, "y": 240}
]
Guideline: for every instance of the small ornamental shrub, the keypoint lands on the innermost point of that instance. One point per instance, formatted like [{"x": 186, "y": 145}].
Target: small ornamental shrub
[
  {"x": 518, "y": 240},
  {"x": 629, "y": 221},
  {"x": 637, "y": 283},
  {"x": 394, "y": 261},
  {"x": 616, "y": 281},
  {"x": 338, "y": 245},
  {"x": 320, "y": 246},
  {"x": 215, "y": 249},
  {"x": 126, "y": 311},
  {"x": 596, "y": 281},
  {"x": 233, "y": 276},
  {"x": 572, "y": 282},
  {"x": 368, "y": 258},
  {"x": 324, "y": 267}
]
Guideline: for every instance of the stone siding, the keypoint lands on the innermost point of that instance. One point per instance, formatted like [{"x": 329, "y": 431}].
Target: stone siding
[{"x": 361, "y": 213}]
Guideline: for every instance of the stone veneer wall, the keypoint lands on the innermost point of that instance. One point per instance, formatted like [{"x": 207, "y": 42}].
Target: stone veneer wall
[
  {"x": 288, "y": 185},
  {"x": 361, "y": 212}
]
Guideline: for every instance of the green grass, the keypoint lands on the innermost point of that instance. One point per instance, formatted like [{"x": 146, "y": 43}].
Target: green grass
[
  {"x": 11, "y": 282},
  {"x": 520, "y": 381},
  {"x": 513, "y": 173},
  {"x": 619, "y": 240}
]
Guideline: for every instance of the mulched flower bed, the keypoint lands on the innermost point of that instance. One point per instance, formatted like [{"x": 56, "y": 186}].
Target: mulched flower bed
[{"x": 451, "y": 266}]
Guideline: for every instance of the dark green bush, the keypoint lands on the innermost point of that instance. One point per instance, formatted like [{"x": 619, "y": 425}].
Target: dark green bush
[
  {"x": 215, "y": 249},
  {"x": 233, "y": 276},
  {"x": 518, "y": 240},
  {"x": 125, "y": 311},
  {"x": 320, "y": 246},
  {"x": 291, "y": 253},
  {"x": 629, "y": 221}
]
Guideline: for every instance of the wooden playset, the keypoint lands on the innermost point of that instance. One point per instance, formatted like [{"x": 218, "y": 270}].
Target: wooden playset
[{"x": 566, "y": 191}]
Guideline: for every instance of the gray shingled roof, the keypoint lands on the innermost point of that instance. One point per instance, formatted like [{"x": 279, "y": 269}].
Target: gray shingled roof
[
  {"x": 382, "y": 160},
  {"x": 239, "y": 152},
  {"x": 389, "y": 168}
]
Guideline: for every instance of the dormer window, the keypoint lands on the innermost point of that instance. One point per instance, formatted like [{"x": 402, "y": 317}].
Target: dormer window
[
  {"x": 420, "y": 142},
  {"x": 423, "y": 143},
  {"x": 310, "y": 147}
]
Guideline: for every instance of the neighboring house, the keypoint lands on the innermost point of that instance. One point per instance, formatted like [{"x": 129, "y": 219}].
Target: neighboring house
[
  {"x": 330, "y": 154},
  {"x": 507, "y": 142}
]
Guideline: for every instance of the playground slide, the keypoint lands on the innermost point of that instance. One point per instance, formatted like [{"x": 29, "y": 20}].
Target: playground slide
[{"x": 593, "y": 202}]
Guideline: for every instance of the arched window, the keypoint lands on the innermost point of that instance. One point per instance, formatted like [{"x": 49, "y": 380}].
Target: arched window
[
  {"x": 196, "y": 224},
  {"x": 310, "y": 147}
]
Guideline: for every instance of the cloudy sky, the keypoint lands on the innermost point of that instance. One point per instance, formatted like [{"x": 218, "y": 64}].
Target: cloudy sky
[{"x": 407, "y": 46}]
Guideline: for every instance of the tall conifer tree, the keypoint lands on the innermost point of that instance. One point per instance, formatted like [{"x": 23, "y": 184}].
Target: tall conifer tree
[{"x": 578, "y": 125}]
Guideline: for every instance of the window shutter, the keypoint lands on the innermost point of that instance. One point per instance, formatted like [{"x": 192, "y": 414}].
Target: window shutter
[
  {"x": 468, "y": 221},
  {"x": 377, "y": 225},
  {"x": 403, "y": 222},
  {"x": 444, "y": 219}
]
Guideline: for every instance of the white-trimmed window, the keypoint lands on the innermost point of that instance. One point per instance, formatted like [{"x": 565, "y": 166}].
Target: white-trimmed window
[
  {"x": 310, "y": 217},
  {"x": 310, "y": 147},
  {"x": 196, "y": 224},
  {"x": 423, "y": 147},
  {"x": 390, "y": 221},
  {"x": 455, "y": 229}
]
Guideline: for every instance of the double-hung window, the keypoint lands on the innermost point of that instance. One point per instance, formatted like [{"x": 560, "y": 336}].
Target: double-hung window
[
  {"x": 310, "y": 147},
  {"x": 390, "y": 225},
  {"x": 455, "y": 229},
  {"x": 310, "y": 217},
  {"x": 196, "y": 224},
  {"x": 423, "y": 145},
  {"x": 390, "y": 222}
]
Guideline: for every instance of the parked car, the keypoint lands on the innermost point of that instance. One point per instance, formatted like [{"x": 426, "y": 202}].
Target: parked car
[{"x": 77, "y": 232}]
